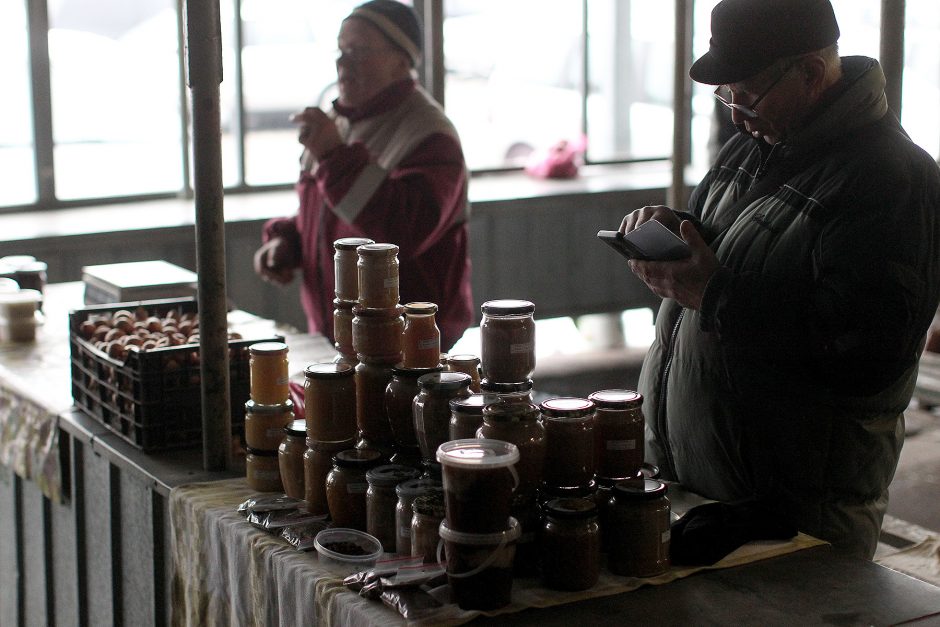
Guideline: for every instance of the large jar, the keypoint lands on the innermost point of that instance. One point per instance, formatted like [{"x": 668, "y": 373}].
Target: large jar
[
  {"x": 421, "y": 338},
  {"x": 346, "y": 486},
  {"x": 466, "y": 363},
  {"x": 290, "y": 456},
  {"x": 330, "y": 401},
  {"x": 342, "y": 327},
  {"x": 407, "y": 492},
  {"x": 427, "y": 514},
  {"x": 372, "y": 378},
  {"x": 262, "y": 472},
  {"x": 381, "y": 500},
  {"x": 376, "y": 333},
  {"x": 569, "y": 439},
  {"x": 466, "y": 416},
  {"x": 507, "y": 336},
  {"x": 518, "y": 423},
  {"x": 346, "y": 265},
  {"x": 618, "y": 432},
  {"x": 400, "y": 394},
  {"x": 318, "y": 461},
  {"x": 570, "y": 545},
  {"x": 639, "y": 524},
  {"x": 378, "y": 275},
  {"x": 432, "y": 408},
  {"x": 268, "y": 373},
  {"x": 264, "y": 424}
]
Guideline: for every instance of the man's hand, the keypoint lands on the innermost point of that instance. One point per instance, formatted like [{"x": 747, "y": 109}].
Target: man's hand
[
  {"x": 318, "y": 132},
  {"x": 275, "y": 261}
]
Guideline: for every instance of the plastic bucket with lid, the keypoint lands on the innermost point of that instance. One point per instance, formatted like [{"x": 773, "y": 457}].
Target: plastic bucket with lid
[
  {"x": 480, "y": 565},
  {"x": 479, "y": 477}
]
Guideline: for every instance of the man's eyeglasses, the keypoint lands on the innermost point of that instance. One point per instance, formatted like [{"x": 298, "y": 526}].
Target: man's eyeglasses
[{"x": 723, "y": 94}]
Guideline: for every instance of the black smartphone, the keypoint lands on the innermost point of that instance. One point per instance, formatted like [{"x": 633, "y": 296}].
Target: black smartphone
[{"x": 651, "y": 241}]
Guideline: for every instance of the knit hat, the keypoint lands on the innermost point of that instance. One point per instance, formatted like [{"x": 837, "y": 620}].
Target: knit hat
[
  {"x": 397, "y": 21},
  {"x": 750, "y": 35}
]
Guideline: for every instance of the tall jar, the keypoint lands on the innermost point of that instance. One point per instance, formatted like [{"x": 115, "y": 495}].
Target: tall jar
[
  {"x": 466, "y": 363},
  {"x": 569, "y": 545},
  {"x": 378, "y": 275},
  {"x": 346, "y": 264},
  {"x": 618, "y": 432},
  {"x": 372, "y": 378},
  {"x": 569, "y": 440},
  {"x": 400, "y": 394},
  {"x": 407, "y": 492},
  {"x": 427, "y": 514},
  {"x": 318, "y": 461},
  {"x": 431, "y": 408},
  {"x": 346, "y": 486},
  {"x": 518, "y": 423},
  {"x": 290, "y": 456},
  {"x": 264, "y": 424},
  {"x": 377, "y": 333},
  {"x": 330, "y": 401},
  {"x": 466, "y": 416},
  {"x": 421, "y": 338},
  {"x": 381, "y": 501},
  {"x": 507, "y": 336},
  {"x": 342, "y": 328},
  {"x": 268, "y": 373},
  {"x": 639, "y": 524}
]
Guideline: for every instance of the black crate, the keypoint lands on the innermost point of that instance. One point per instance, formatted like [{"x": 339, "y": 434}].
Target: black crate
[{"x": 152, "y": 398}]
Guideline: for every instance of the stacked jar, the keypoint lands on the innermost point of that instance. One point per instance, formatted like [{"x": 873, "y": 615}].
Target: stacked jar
[
  {"x": 268, "y": 412},
  {"x": 432, "y": 413},
  {"x": 345, "y": 262},
  {"x": 400, "y": 394}
]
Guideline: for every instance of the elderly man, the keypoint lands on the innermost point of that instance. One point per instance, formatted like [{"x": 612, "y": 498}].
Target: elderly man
[{"x": 787, "y": 344}]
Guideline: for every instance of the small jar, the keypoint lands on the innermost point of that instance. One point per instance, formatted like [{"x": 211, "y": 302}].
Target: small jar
[
  {"x": 421, "y": 338},
  {"x": 400, "y": 394},
  {"x": 268, "y": 373},
  {"x": 507, "y": 337},
  {"x": 520, "y": 392},
  {"x": 407, "y": 492},
  {"x": 346, "y": 487},
  {"x": 32, "y": 276},
  {"x": 466, "y": 363},
  {"x": 330, "y": 401},
  {"x": 377, "y": 333},
  {"x": 290, "y": 455},
  {"x": 346, "y": 266},
  {"x": 570, "y": 545},
  {"x": 618, "y": 432},
  {"x": 378, "y": 275},
  {"x": 427, "y": 514},
  {"x": 432, "y": 408},
  {"x": 640, "y": 524},
  {"x": 372, "y": 378},
  {"x": 518, "y": 423},
  {"x": 264, "y": 424},
  {"x": 318, "y": 461},
  {"x": 602, "y": 495},
  {"x": 262, "y": 471},
  {"x": 569, "y": 441},
  {"x": 381, "y": 501},
  {"x": 466, "y": 416},
  {"x": 342, "y": 327}
]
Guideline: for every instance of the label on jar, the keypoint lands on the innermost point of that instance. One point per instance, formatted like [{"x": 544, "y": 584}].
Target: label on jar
[
  {"x": 404, "y": 532},
  {"x": 283, "y": 380},
  {"x": 524, "y": 347},
  {"x": 664, "y": 538},
  {"x": 390, "y": 282},
  {"x": 274, "y": 432},
  {"x": 357, "y": 488},
  {"x": 621, "y": 445},
  {"x": 427, "y": 344},
  {"x": 267, "y": 474}
]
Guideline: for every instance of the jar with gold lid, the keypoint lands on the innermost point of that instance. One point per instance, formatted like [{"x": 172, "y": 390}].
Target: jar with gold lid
[
  {"x": 330, "y": 401},
  {"x": 507, "y": 338},
  {"x": 377, "y": 333},
  {"x": 346, "y": 486},
  {"x": 569, "y": 441},
  {"x": 466, "y": 363},
  {"x": 268, "y": 373},
  {"x": 318, "y": 461},
  {"x": 381, "y": 501},
  {"x": 569, "y": 545},
  {"x": 264, "y": 424},
  {"x": 639, "y": 526},
  {"x": 290, "y": 454},
  {"x": 378, "y": 275},
  {"x": 431, "y": 408},
  {"x": 346, "y": 265},
  {"x": 421, "y": 338},
  {"x": 618, "y": 432}
]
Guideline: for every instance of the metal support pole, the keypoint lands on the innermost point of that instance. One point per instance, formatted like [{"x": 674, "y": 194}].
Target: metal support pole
[
  {"x": 432, "y": 72},
  {"x": 682, "y": 101},
  {"x": 892, "y": 50},
  {"x": 204, "y": 48}
]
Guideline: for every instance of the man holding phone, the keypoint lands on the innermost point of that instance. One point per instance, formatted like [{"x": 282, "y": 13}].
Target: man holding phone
[{"x": 788, "y": 340}]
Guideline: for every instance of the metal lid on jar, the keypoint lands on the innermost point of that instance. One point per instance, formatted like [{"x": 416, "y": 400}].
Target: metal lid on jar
[
  {"x": 363, "y": 458},
  {"x": 444, "y": 381},
  {"x": 252, "y": 407},
  {"x": 571, "y": 508},
  {"x": 389, "y": 475},
  {"x": 463, "y": 358},
  {"x": 328, "y": 446},
  {"x": 567, "y": 407},
  {"x": 268, "y": 348},
  {"x": 419, "y": 486},
  {"x": 297, "y": 428},
  {"x": 649, "y": 471},
  {"x": 420, "y": 309},
  {"x": 430, "y": 504},
  {"x": 550, "y": 492},
  {"x": 610, "y": 482},
  {"x": 351, "y": 243},
  {"x": 492, "y": 387},
  {"x": 260, "y": 452},
  {"x": 507, "y": 307},
  {"x": 616, "y": 399},
  {"x": 386, "y": 313},
  {"x": 344, "y": 305},
  {"x": 648, "y": 489},
  {"x": 510, "y": 411},
  {"x": 414, "y": 373},
  {"x": 472, "y": 404},
  {"x": 325, "y": 370},
  {"x": 377, "y": 250}
]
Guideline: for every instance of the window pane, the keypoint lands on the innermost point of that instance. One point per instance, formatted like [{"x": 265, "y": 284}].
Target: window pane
[
  {"x": 920, "y": 97},
  {"x": 115, "y": 97},
  {"x": 16, "y": 123}
]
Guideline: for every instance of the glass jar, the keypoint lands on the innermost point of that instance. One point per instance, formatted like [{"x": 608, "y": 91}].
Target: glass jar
[
  {"x": 466, "y": 416},
  {"x": 381, "y": 501},
  {"x": 407, "y": 492},
  {"x": 520, "y": 392},
  {"x": 264, "y": 424},
  {"x": 618, "y": 432},
  {"x": 466, "y": 363},
  {"x": 550, "y": 492},
  {"x": 432, "y": 408},
  {"x": 400, "y": 394},
  {"x": 507, "y": 337},
  {"x": 602, "y": 495},
  {"x": 427, "y": 514},
  {"x": 346, "y": 266},
  {"x": 346, "y": 486},
  {"x": 378, "y": 275},
  {"x": 421, "y": 339},
  {"x": 525, "y": 510},
  {"x": 342, "y": 327},
  {"x": 330, "y": 401},
  {"x": 518, "y": 423},
  {"x": 569, "y": 441},
  {"x": 290, "y": 455},
  {"x": 318, "y": 461},
  {"x": 372, "y": 377},
  {"x": 570, "y": 545},
  {"x": 268, "y": 373},
  {"x": 639, "y": 522},
  {"x": 376, "y": 333},
  {"x": 262, "y": 472},
  {"x": 32, "y": 276}
]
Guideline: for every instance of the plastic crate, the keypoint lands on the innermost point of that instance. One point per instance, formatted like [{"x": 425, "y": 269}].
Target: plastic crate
[{"x": 152, "y": 399}]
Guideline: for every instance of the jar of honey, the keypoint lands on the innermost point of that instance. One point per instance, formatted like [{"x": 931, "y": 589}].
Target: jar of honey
[
  {"x": 377, "y": 333},
  {"x": 268, "y": 373},
  {"x": 466, "y": 416},
  {"x": 378, "y": 275},
  {"x": 518, "y": 423},
  {"x": 342, "y": 327},
  {"x": 330, "y": 401},
  {"x": 618, "y": 432},
  {"x": 427, "y": 514},
  {"x": 569, "y": 545},
  {"x": 466, "y": 363},
  {"x": 318, "y": 461},
  {"x": 399, "y": 399},
  {"x": 345, "y": 262},
  {"x": 432, "y": 408},
  {"x": 381, "y": 501},
  {"x": 262, "y": 472},
  {"x": 264, "y": 424},
  {"x": 639, "y": 526},
  {"x": 569, "y": 440},
  {"x": 507, "y": 336},
  {"x": 372, "y": 378},
  {"x": 407, "y": 492},
  {"x": 421, "y": 338},
  {"x": 346, "y": 486},
  {"x": 290, "y": 454}
]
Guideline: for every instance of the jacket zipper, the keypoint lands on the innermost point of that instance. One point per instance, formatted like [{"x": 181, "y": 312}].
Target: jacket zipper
[{"x": 661, "y": 422}]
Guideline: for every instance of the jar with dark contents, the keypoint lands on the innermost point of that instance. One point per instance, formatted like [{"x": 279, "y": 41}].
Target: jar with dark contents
[
  {"x": 640, "y": 525},
  {"x": 407, "y": 492},
  {"x": 290, "y": 455},
  {"x": 570, "y": 546},
  {"x": 602, "y": 496},
  {"x": 264, "y": 424},
  {"x": 378, "y": 275},
  {"x": 466, "y": 363},
  {"x": 550, "y": 492},
  {"x": 519, "y": 392},
  {"x": 479, "y": 478},
  {"x": 330, "y": 401},
  {"x": 400, "y": 394},
  {"x": 318, "y": 461},
  {"x": 569, "y": 441},
  {"x": 427, "y": 513},
  {"x": 466, "y": 416},
  {"x": 421, "y": 338},
  {"x": 519, "y": 424},
  {"x": 618, "y": 432},
  {"x": 268, "y": 373},
  {"x": 507, "y": 337},
  {"x": 432, "y": 408},
  {"x": 262, "y": 472},
  {"x": 381, "y": 500},
  {"x": 342, "y": 328},
  {"x": 346, "y": 266},
  {"x": 372, "y": 378},
  {"x": 346, "y": 486},
  {"x": 526, "y": 511}
]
